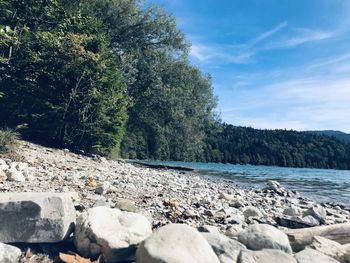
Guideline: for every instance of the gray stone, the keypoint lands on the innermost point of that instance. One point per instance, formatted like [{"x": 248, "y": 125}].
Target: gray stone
[
  {"x": 265, "y": 256},
  {"x": 329, "y": 248},
  {"x": 317, "y": 212},
  {"x": 260, "y": 236},
  {"x": 9, "y": 254},
  {"x": 309, "y": 255},
  {"x": 102, "y": 188},
  {"x": 225, "y": 248},
  {"x": 252, "y": 211},
  {"x": 36, "y": 217},
  {"x": 125, "y": 205},
  {"x": 110, "y": 232},
  {"x": 275, "y": 187},
  {"x": 292, "y": 211},
  {"x": 310, "y": 220},
  {"x": 176, "y": 243},
  {"x": 226, "y": 197}
]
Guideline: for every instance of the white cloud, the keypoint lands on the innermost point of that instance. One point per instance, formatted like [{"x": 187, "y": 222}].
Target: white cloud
[
  {"x": 301, "y": 36},
  {"x": 301, "y": 100},
  {"x": 269, "y": 33}
]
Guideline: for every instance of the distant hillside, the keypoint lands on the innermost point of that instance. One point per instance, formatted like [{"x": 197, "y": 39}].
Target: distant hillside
[
  {"x": 231, "y": 144},
  {"x": 345, "y": 137}
]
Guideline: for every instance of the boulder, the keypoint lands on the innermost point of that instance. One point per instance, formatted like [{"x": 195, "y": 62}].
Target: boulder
[
  {"x": 176, "y": 243},
  {"x": 317, "y": 212},
  {"x": 260, "y": 236},
  {"x": 233, "y": 231},
  {"x": 309, "y": 255},
  {"x": 329, "y": 248},
  {"x": 265, "y": 256},
  {"x": 293, "y": 211},
  {"x": 9, "y": 254},
  {"x": 226, "y": 196},
  {"x": 102, "y": 187},
  {"x": 110, "y": 232},
  {"x": 294, "y": 223},
  {"x": 36, "y": 217},
  {"x": 14, "y": 175},
  {"x": 251, "y": 211},
  {"x": 225, "y": 248}
]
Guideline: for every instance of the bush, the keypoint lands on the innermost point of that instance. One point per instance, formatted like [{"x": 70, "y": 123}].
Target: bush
[{"x": 8, "y": 140}]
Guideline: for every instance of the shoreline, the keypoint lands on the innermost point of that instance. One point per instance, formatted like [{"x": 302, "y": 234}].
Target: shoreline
[{"x": 166, "y": 196}]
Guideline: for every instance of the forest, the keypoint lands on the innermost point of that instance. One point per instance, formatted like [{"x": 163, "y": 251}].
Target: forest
[{"x": 113, "y": 77}]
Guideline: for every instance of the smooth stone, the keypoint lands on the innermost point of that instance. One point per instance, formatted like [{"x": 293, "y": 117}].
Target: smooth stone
[
  {"x": 226, "y": 249},
  {"x": 110, "y": 232},
  {"x": 125, "y": 205},
  {"x": 318, "y": 212},
  {"x": 309, "y": 255},
  {"x": 36, "y": 217},
  {"x": 9, "y": 254},
  {"x": 292, "y": 211},
  {"x": 260, "y": 236},
  {"x": 176, "y": 243},
  {"x": 251, "y": 211},
  {"x": 265, "y": 256},
  {"x": 329, "y": 248},
  {"x": 295, "y": 223}
]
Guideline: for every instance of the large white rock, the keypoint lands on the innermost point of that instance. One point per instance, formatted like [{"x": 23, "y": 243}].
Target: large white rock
[
  {"x": 110, "y": 232},
  {"x": 309, "y": 255},
  {"x": 9, "y": 254},
  {"x": 260, "y": 236},
  {"x": 265, "y": 256},
  {"x": 36, "y": 217},
  {"x": 329, "y": 248},
  {"x": 14, "y": 175},
  {"x": 225, "y": 248},
  {"x": 317, "y": 212},
  {"x": 176, "y": 243}
]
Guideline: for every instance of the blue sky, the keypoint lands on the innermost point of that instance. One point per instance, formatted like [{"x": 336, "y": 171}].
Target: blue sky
[{"x": 274, "y": 63}]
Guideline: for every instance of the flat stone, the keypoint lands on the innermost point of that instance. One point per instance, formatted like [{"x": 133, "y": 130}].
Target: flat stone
[
  {"x": 292, "y": 211},
  {"x": 265, "y": 256},
  {"x": 9, "y": 254},
  {"x": 36, "y": 217},
  {"x": 176, "y": 243},
  {"x": 260, "y": 236},
  {"x": 309, "y": 255},
  {"x": 110, "y": 232}
]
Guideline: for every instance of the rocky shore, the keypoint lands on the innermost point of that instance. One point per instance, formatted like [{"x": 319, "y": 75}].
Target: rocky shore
[{"x": 54, "y": 201}]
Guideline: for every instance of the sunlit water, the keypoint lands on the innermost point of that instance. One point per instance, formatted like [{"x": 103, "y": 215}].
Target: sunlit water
[{"x": 319, "y": 184}]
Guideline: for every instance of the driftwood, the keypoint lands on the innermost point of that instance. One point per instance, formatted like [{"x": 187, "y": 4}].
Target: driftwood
[
  {"x": 300, "y": 238},
  {"x": 163, "y": 166}
]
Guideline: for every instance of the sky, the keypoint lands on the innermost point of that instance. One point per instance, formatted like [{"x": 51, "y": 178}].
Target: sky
[{"x": 275, "y": 63}]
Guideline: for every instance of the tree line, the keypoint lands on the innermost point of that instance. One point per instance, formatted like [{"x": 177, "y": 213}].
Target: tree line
[{"x": 113, "y": 77}]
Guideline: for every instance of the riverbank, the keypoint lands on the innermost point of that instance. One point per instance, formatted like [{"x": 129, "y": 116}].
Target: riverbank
[{"x": 161, "y": 196}]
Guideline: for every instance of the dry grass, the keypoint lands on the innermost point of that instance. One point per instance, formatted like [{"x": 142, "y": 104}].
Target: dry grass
[{"x": 8, "y": 141}]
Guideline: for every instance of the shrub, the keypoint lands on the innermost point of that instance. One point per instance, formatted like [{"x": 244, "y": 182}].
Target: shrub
[{"x": 8, "y": 140}]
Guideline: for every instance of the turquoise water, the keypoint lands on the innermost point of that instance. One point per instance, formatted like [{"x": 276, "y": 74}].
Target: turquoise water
[{"x": 319, "y": 184}]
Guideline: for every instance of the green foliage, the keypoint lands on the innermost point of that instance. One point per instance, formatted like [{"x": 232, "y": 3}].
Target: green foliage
[
  {"x": 8, "y": 140},
  {"x": 230, "y": 144},
  {"x": 62, "y": 83}
]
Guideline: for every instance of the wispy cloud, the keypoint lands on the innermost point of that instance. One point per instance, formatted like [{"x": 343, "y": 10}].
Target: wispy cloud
[
  {"x": 236, "y": 54},
  {"x": 301, "y": 36},
  {"x": 268, "y": 33},
  {"x": 304, "y": 100}
]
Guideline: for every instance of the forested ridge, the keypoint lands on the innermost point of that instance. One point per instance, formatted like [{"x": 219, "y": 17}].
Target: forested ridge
[{"x": 113, "y": 77}]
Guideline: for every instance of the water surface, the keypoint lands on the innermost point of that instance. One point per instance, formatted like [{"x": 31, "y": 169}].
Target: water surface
[{"x": 321, "y": 185}]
